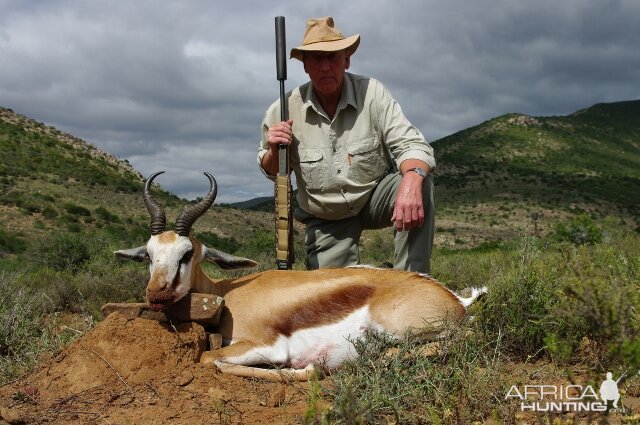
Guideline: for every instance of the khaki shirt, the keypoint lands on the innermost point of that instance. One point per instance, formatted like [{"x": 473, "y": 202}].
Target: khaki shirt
[{"x": 338, "y": 163}]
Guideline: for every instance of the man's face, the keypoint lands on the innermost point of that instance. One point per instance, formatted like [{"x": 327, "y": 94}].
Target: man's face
[{"x": 326, "y": 70}]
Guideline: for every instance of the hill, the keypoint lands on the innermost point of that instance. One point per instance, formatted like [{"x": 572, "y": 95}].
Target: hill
[
  {"x": 591, "y": 155},
  {"x": 54, "y": 183},
  {"x": 516, "y": 169},
  {"x": 264, "y": 203}
]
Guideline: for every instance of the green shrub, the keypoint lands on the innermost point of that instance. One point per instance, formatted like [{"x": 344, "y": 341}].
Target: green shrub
[
  {"x": 378, "y": 249},
  {"x": 76, "y": 210},
  {"x": 398, "y": 382},
  {"x": 229, "y": 245},
  {"x": 11, "y": 243},
  {"x": 74, "y": 227},
  {"x": 127, "y": 235},
  {"x": 64, "y": 251},
  {"x": 50, "y": 213},
  {"x": 30, "y": 207},
  {"x": 598, "y": 304},
  {"x": 44, "y": 197},
  {"x": 517, "y": 306},
  {"x": 85, "y": 291},
  {"x": 261, "y": 244},
  {"x": 107, "y": 215},
  {"x": 24, "y": 331},
  {"x": 579, "y": 230}
]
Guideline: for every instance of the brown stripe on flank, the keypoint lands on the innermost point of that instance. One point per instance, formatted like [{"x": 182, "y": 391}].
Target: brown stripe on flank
[{"x": 328, "y": 308}]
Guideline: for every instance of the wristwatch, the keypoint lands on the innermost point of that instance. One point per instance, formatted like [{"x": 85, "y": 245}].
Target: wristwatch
[{"x": 419, "y": 171}]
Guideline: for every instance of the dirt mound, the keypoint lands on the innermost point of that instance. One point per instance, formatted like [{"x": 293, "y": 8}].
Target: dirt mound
[{"x": 144, "y": 372}]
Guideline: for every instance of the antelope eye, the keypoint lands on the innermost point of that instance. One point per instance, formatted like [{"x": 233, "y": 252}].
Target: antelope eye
[{"x": 186, "y": 257}]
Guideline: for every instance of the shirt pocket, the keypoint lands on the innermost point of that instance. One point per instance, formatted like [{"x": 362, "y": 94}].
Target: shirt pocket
[
  {"x": 367, "y": 161},
  {"x": 312, "y": 168}
]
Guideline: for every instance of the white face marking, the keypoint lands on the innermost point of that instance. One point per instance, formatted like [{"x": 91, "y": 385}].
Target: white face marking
[
  {"x": 167, "y": 256},
  {"x": 328, "y": 345}
]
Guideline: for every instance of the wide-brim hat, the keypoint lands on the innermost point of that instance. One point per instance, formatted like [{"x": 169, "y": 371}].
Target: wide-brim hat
[{"x": 322, "y": 36}]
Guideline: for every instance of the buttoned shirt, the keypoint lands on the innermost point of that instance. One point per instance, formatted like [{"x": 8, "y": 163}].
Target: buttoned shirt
[{"x": 338, "y": 162}]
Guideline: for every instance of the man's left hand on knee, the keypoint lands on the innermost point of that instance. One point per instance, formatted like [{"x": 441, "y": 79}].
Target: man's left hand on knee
[{"x": 408, "y": 211}]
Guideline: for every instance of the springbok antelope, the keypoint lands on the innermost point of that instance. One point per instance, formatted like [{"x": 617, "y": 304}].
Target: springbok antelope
[{"x": 293, "y": 319}]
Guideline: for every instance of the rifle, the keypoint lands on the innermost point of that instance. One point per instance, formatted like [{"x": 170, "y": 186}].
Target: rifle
[{"x": 284, "y": 216}]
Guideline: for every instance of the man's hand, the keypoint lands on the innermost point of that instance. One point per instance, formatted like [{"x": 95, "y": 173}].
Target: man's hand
[
  {"x": 278, "y": 134},
  {"x": 408, "y": 212}
]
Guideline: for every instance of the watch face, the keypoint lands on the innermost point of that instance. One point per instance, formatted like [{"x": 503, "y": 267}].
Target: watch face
[{"x": 419, "y": 171}]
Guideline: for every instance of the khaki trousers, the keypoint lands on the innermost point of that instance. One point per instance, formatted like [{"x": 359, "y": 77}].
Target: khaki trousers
[{"x": 336, "y": 243}]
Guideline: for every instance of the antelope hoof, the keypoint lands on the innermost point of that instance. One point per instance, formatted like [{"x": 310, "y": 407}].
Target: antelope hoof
[{"x": 207, "y": 357}]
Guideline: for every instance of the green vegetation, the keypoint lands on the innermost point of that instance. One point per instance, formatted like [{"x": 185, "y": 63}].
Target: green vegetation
[
  {"x": 107, "y": 215},
  {"x": 36, "y": 151},
  {"x": 229, "y": 245},
  {"x": 77, "y": 210},
  {"x": 55, "y": 181},
  {"x": 580, "y": 230},
  {"x": 72, "y": 277},
  {"x": 11, "y": 243},
  {"x": 590, "y": 158}
]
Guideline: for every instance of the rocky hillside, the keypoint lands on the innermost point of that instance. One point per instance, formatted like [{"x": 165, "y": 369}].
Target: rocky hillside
[
  {"x": 52, "y": 182},
  {"x": 591, "y": 157},
  {"x": 517, "y": 173},
  {"x": 34, "y": 149}
]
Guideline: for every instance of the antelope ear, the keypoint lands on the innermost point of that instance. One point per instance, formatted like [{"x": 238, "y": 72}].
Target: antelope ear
[
  {"x": 226, "y": 261},
  {"x": 134, "y": 254}
]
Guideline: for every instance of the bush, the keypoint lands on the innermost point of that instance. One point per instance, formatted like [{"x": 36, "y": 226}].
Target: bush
[
  {"x": 24, "y": 331},
  {"x": 107, "y": 215},
  {"x": 49, "y": 213},
  {"x": 398, "y": 382},
  {"x": 77, "y": 210},
  {"x": 598, "y": 304},
  {"x": 74, "y": 227},
  {"x": 11, "y": 243},
  {"x": 518, "y": 303},
  {"x": 378, "y": 249},
  {"x": 580, "y": 230},
  {"x": 64, "y": 251},
  {"x": 261, "y": 244},
  {"x": 30, "y": 207},
  {"x": 228, "y": 245}
]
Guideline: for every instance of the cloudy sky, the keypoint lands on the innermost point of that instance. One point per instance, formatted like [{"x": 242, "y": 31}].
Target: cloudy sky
[{"x": 182, "y": 86}]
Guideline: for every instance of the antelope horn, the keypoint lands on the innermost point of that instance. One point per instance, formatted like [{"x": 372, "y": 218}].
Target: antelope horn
[
  {"x": 190, "y": 215},
  {"x": 158, "y": 219}
]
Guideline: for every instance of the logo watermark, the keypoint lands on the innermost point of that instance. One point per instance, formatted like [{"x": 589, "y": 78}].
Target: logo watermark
[{"x": 568, "y": 398}]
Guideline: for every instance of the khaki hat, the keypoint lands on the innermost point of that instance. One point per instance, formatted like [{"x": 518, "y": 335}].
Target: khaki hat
[{"x": 322, "y": 36}]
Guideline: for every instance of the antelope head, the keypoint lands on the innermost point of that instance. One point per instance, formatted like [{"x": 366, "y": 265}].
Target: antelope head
[{"x": 174, "y": 256}]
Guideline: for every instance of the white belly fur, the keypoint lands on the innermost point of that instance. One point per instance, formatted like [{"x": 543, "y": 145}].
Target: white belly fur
[{"x": 327, "y": 346}]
